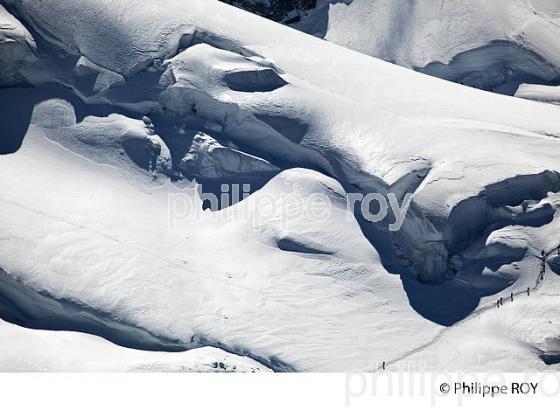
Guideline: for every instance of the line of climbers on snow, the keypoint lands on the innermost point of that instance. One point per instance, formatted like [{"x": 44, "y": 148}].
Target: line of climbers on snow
[
  {"x": 500, "y": 301},
  {"x": 540, "y": 278}
]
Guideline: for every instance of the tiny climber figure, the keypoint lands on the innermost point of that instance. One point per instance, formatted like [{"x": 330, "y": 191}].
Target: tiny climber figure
[
  {"x": 511, "y": 296},
  {"x": 528, "y": 291},
  {"x": 383, "y": 366},
  {"x": 501, "y": 301},
  {"x": 498, "y": 303}
]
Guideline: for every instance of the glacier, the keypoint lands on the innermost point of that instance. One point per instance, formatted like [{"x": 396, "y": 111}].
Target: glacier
[
  {"x": 129, "y": 105},
  {"x": 494, "y": 46}
]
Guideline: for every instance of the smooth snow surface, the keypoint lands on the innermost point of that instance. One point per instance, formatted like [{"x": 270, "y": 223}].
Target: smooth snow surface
[{"x": 132, "y": 99}]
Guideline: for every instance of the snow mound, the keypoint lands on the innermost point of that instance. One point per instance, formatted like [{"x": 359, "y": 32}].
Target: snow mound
[
  {"x": 114, "y": 140},
  {"x": 82, "y": 25}
]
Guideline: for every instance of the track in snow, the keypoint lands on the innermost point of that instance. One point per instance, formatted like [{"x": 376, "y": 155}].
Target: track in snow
[{"x": 476, "y": 313}]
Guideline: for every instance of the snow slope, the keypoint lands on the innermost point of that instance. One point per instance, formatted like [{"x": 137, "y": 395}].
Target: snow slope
[
  {"x": 503, "y": 337},
  {"x": 25, "y": 350},
  {"x": 489, "y": 45},
  {"x": 519, "y": 335},
  {"x": 296, "y": 284}
]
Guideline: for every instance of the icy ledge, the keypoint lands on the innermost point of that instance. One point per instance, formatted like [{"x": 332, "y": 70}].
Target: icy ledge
[{"x": 542, "y": 93}]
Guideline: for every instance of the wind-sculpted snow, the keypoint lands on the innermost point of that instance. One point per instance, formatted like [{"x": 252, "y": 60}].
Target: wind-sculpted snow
[
  {"x": 114, "y": 140},
  {"x": 499, "y": 66},
  {"x": 168, "y": 280},
  {"x": 83, "y": 25},
  {"x": 494, "y": 45},
  {"x": 296, "y": 274}
]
